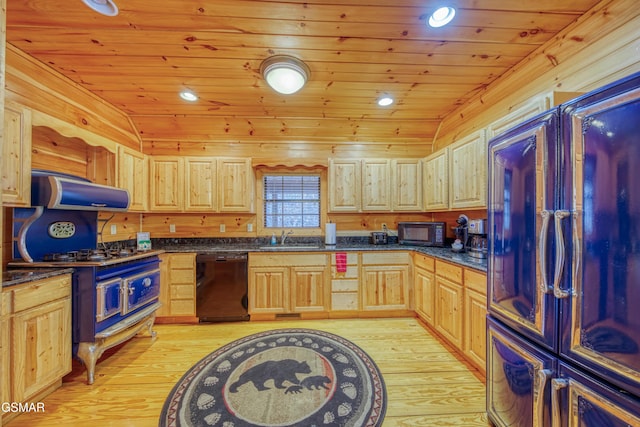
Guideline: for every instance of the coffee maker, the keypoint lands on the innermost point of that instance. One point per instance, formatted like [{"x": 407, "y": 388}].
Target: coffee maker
[
  {"x": 460, "y": 232},
  {"x": 477, "y": 238}
]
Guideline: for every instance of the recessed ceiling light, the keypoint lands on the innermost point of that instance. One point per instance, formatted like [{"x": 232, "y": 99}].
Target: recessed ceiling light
[
  {"x": 385, "y": 101},
  {"x": 187, "y": 95},
  {"x": 105, "y": 7},
  {"x": 442, "y": 16}
]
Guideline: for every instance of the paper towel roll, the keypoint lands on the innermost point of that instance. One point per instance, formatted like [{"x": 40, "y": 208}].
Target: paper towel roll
[{"x": 330, "y": 233}]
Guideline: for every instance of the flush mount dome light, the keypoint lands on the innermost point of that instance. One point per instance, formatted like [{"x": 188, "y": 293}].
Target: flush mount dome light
[
  {"x": 442, "y": 16},
  {"x": 105, "y": 7},
  {"x": 285, "y": 74}
]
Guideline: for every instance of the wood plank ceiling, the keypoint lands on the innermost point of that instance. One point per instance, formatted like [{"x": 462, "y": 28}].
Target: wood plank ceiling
[{"x": 356, "y": 50}]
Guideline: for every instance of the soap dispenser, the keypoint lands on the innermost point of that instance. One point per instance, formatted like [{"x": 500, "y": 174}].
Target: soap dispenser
[{"x": 273, "y": 238}]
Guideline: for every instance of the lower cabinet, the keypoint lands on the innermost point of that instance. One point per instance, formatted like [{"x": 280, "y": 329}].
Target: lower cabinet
[
  {"x": 287, "y": 283},
  {"x": 449, "y": 301},
  {"x": 424, "y": 288},
  {"x": 475, "y": 330},
  {"x": 385, "y": 281},
  {"x": 345, "y": 284},
  {"x": 36, "y": 336},
  {"x": 177, "y": 286}
]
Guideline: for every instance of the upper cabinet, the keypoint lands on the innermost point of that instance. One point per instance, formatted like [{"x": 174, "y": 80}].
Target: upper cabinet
[
  {"x": 180, "y": 184},
  {"x": 133, "y": 176},
  {"x": 436, "y": 181},
  {"x": 16, "y": 155},
  {"x": 235, "y": 185},
  {"x": 375, "y": 185},
  {"x": 468, "y": 172}
]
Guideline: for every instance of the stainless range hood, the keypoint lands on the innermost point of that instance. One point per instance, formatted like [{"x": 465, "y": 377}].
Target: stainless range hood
[{"x": 56, "y": 190}]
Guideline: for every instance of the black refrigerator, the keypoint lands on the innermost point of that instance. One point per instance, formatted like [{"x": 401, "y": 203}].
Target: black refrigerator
[{"x": 564, "y": 265}]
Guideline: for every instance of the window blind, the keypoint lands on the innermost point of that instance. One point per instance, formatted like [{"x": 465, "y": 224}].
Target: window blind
[{"x": 291, "y": 201}]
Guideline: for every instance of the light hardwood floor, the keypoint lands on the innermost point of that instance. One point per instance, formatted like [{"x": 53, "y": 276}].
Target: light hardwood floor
[{"x": 427, "y": 385}]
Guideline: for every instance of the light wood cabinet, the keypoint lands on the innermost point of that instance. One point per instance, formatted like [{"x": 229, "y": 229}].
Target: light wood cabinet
[
  {"x": 345, "y": 285},
  {"x": 178, "y": 286},
  {"x": 376, "y": 185},
  {"x": 475, "y": 313},
  {"x": 36, "y": 331},
  {"x": 235, "y": 185},
  {"x": 385, "y": 281},
  {"x": 133, "y": 175},
  {"x": 201, "y": 182},
  {"x": 468, "y": 172},
  {"x": 345, "y": 181},
  {"x": 167, "y": 183},
  {"x": 16, "y": 155},
  {"x": 407, "y": 184},
  {"x": 436, "y": 181},
  {"x": 288, "y": 283},
  {"x": 424, "y": 288},
  {"x": 449, "y": 302}
]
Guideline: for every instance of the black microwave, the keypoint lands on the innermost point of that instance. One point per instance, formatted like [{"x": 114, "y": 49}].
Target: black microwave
[{"x": 421, "y": 233}]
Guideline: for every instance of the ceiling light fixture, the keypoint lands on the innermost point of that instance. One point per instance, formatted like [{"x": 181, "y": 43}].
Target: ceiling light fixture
[
  {"x": 285, "y": 74},
  {"x": 442, "y": 16},
  {"x": 385, "y": 101},
  {"x": 187, "y": 95},
  {"x": 105, "y": 7}
]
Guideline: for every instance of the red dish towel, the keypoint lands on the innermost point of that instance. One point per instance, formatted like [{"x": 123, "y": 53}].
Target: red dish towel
[{"x": 341, "y": 262}]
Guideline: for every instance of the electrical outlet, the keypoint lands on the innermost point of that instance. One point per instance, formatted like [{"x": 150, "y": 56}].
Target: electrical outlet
[
  {"x": 114, "y": 229},
  {"x": 223, "y": 228},
  {"x": 384, "y": 226},
  {"x": 249, "y": 227},
  {"x": 172, "y": 228}
]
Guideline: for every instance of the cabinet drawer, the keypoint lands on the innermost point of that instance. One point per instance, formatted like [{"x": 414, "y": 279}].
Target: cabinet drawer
[
  {"x": 352, "y": 258},
  {"x": 183, "y": 307},
  {"x": 344, "y": 285},
  {"x": 182, "y": 261},
  {"x": 475, "y": 280},
  {"x": 424, "y": 261},
  {"x": 179, "y": 291},
  {"x": 449, "y": 271},
  {"x": 182, "y": 276},
  {"x": 385, "y": 258},
  {"x": 351, "y": 273},
  {"x": 39, "y": 292},
  {"x": 344, "y": 301},
  {"x": 287, "y": 259}
]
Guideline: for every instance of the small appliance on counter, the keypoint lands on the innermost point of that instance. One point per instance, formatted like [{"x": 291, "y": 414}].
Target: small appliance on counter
[
  {"x": 461, "y": 233},
  {"x": 421, "y": 233},
  {"x": 477, "y": 238},
  {"x": 379, "y": 238}
]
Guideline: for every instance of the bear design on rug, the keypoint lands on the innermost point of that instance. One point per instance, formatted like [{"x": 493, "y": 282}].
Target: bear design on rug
[
  {"x": 310, "y": 383},
  {"x": 277, "y": 370}
]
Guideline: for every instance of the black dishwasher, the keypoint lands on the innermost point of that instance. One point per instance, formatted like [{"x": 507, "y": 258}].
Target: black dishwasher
[{"x": 221, "y": 287}]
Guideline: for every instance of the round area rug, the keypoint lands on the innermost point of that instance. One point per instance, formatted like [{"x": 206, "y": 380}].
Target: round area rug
[{"x": 283, "y": 377}]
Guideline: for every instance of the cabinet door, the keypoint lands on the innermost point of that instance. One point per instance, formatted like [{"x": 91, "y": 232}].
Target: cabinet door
[
  {"x": 133, "y": 176},
  {"x": 468, "y": 172},
  {"x": 201, "y": 184},
  {"x": 309, "y": 289},
  {"x": 376, "y": 185},
  {"x": 436, "y": 181},
  {"x": 407, "y": 184},
  {"x": 385, "y": 288},
  {"x": 167, "y": 184},
  {"x": 268, "y": 290},
  {"x": 344, "y": 185},
  {"x": 425, "y": 292},
  {"x": 449, "y": 300},
  {"x": 475, "y": 334},
  {"x": 41, "y": 347},
  {"x": 235, "y": 185},
  {"x": 16, "y": 155}
]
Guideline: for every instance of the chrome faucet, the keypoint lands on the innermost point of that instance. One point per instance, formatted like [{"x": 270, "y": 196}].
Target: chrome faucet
[{"x": 284, "y": 236}]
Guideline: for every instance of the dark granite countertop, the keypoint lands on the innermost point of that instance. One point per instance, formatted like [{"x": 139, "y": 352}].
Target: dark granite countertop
[
  {"x": 232, "y": 245},
  {"x": 24, "y": 275}
]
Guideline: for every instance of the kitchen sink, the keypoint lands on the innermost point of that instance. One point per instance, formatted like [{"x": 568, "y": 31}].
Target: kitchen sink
[{"x": 289, "y": 247}]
